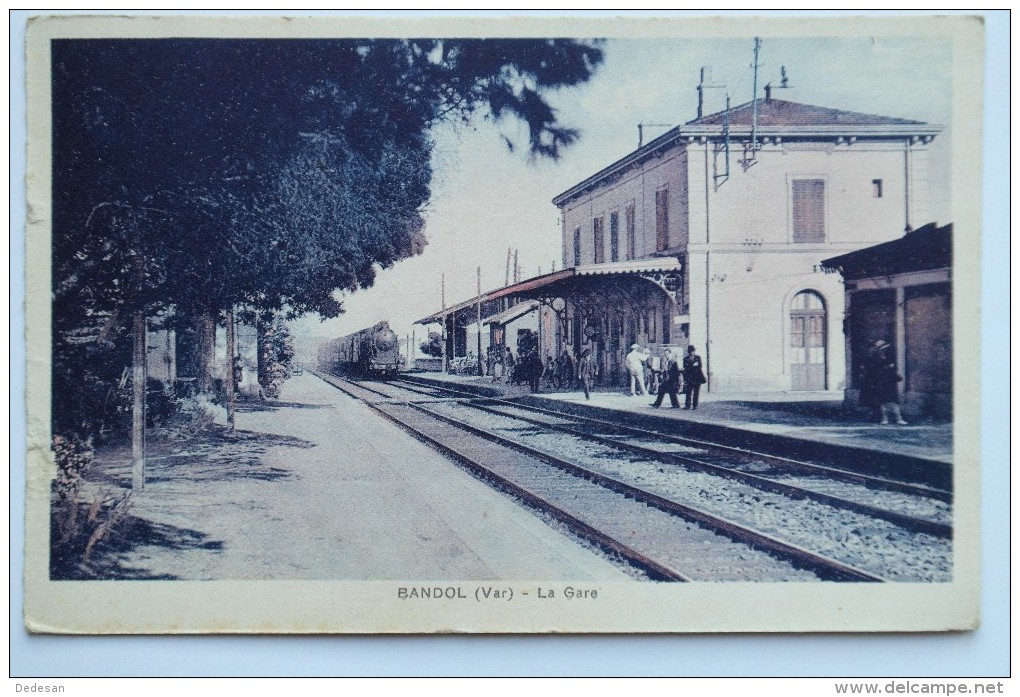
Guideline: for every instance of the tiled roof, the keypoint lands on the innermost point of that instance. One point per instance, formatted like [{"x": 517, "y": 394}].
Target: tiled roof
[
  {"x": 777, "y": 119},
  {"x": 779, "y": 113}
]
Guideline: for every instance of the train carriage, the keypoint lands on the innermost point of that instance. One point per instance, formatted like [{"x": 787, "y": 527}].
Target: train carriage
[{"x": 372, "y": 352}]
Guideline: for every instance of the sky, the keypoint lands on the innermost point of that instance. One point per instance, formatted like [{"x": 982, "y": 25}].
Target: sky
[{"x": 487, "y": 199}]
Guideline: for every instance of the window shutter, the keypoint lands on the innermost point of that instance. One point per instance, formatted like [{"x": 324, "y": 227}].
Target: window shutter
[
  {"x": 631, "y": 241},
  {"x": 662, "y": 219},
  {"x": 614, "y": 236},
  {"x": 808, "y": 210},
  {"x": 600, "y": 242}
]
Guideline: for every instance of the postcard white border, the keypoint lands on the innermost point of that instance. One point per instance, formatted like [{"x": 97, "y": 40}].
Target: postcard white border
[{"x": 120, "y": 606}]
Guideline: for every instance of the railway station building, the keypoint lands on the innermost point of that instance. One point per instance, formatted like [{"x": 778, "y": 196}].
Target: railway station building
[{"x": 714, "y": 233}]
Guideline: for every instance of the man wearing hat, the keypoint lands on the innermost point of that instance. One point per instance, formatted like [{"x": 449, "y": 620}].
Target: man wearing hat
[
  {"x": 635, "y": 363},
  {"x": 880, "y": 388}
]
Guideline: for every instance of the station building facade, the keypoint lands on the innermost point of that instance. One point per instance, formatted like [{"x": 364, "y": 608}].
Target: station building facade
[{"x": 747, "y": 203}]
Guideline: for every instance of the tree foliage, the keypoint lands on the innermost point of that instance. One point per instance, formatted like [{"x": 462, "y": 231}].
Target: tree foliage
[
  {"x": 269, "y": 172},
  {"x": 434, "y": 346},
  {"x": 194, "y": 175},
  {"x": 276, "y": 353}
]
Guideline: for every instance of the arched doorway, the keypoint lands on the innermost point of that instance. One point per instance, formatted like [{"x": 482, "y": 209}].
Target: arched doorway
[{"x": 807, "y": 341}]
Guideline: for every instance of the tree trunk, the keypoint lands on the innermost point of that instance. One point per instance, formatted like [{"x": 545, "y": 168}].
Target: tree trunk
[
  {"x": 205, "y": 351},
  {"x": 230, "y": 381},
  {"x": 260, "y": 350},
  {"x": 138, "y": 404}
]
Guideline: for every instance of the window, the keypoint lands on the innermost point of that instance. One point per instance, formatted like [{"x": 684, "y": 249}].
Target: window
[
  {"x": 808, "y": 210},
  {"x": 876, "y": 188},
  {"x": 600, "y": 242},
  {"x": 631, "y": 242},
  {"x": 614, "y": 236},
  {"x": 577, "y": 246},
  {"x": 665, "y": 326},
  {"x": 662, "y": 220},
  {"x": 807, "y": 316}
]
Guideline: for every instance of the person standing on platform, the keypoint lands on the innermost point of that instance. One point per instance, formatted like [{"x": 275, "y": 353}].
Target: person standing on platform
[
  {"x": 532, "y": 367},
  {"x": 549, "y": 374},
  {"x": 694, "y": 378},
  {"x": 565, "y": 370},
  {"x": 881, "y": 383},
  {"x": 635, "y": 363},
  {"x": 670, "y": 382},
  {"x": 586, "y": 372},
  {"x": 511, "y": 367}
]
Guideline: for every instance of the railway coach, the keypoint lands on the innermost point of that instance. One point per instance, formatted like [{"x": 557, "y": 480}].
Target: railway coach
[{"x": 372, "y": 352}]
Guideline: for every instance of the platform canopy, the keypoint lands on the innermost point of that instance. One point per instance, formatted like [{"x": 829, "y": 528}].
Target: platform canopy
[
  {"x": 587, "y": 284},
  {"x": 512, "y": 313}
]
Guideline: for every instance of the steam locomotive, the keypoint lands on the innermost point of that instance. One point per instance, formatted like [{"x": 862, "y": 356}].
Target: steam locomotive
[{"x": 372, "y": 352}]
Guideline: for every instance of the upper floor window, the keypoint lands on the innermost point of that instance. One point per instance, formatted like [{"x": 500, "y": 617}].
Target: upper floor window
[
  {"x": 876, "y": 188},
  {"x": 662, "y": 219},
  {"x": 808, "y": 210},
  {"x": 631, "y": 241},
  {"x": 600, "y": 241},
  {"x": 614, "y": 236},
  {"x": 577, "y": 246}
]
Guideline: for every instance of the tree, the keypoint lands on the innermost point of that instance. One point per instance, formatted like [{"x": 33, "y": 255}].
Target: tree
[
  {"x": 275, "y": 353},
  {"x": 434, "y": 346},
  {"x": 196, "y": 175}
]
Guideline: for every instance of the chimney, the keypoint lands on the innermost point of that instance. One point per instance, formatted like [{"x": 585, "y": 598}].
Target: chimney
[
  {"x": 705, "y": 83},
  {"x": 768, "y": 92}
]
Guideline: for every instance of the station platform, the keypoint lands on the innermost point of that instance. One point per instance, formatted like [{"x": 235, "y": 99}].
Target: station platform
[
  {"x": 315, "y": 486},
  {"x": 802, "y": 419}
]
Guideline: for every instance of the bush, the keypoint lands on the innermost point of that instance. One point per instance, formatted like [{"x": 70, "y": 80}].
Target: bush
[
  {"x": 76, "y": 529},
  {"x": 73, "y": 457},
  {"x": 276, "y": 353},
  {"x": 193, "y": 417}
]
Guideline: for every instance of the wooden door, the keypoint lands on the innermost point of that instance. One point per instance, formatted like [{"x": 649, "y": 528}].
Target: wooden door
[{"x": 807, "y": 342}]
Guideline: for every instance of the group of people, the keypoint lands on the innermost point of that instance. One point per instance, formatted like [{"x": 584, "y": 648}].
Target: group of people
[
  {"x": 684, "y": 374},
  {"x": 678, "y": 372},
  {"x": 673, "y": 374}
]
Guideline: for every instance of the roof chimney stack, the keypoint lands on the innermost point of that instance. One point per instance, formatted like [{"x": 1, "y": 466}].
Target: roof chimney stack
[
  {"x": 784, "y": 84},
  {"x": 705, "y": 84}
]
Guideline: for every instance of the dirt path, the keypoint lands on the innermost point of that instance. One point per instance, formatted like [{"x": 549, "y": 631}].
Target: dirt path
[{"x": 316, "y": 487}]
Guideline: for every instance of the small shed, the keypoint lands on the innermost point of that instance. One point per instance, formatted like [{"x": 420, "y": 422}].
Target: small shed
[{"x": 901, "y": 292}]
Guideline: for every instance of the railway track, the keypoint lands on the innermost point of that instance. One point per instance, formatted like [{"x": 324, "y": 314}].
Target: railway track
[
  {"x": 664, "y": 538},
  {"x": 876, "y": 497}
]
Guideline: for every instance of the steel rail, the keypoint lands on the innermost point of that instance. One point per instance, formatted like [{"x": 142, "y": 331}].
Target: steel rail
[
  {"x": 779, "y": 461},
  {"x": 764, "y": 483},
  {"x": 824, "y": 567},
  {"x": 653, "y": 569}
]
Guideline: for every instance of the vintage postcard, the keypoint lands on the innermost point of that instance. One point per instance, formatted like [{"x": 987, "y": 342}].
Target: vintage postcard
[{"x": 503, "y": 325}]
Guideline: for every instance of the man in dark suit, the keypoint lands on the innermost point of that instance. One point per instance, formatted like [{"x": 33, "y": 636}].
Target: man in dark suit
[{"x": 694, "y": 378}]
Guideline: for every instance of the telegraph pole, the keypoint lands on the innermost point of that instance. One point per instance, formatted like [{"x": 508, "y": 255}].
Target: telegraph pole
[
  {"x": 754, "y": 97},
  {"x": 479, "y": 319},
  {"x": 138, "y": 379},
  {"x": 138, "y": 403},
  {"x": 231, "y": 383},
  {"x": 442, "y": 342}
]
